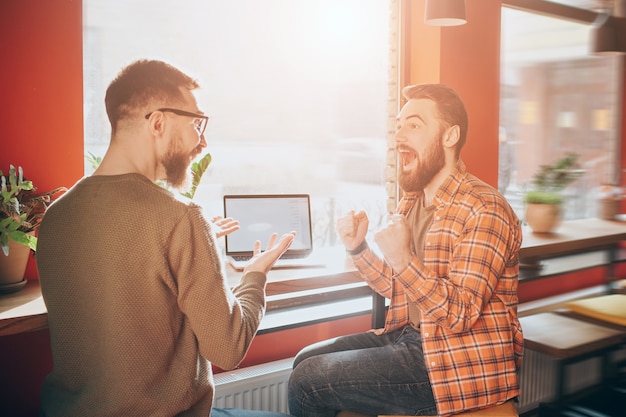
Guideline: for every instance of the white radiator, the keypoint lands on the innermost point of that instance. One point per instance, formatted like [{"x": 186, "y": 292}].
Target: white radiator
[
  {"x": 538, "y": 378},
  {"x": 264, "y": 387},
  {"x": 258, "y": 387}
]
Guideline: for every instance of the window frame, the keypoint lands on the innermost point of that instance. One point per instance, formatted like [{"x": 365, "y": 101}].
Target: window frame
[{"x": 399, "y": 73}]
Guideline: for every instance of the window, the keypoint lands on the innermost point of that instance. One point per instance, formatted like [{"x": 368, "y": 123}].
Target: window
[
  {"x": 556, "y": 98},
  {"x": 296, "y": 90}
]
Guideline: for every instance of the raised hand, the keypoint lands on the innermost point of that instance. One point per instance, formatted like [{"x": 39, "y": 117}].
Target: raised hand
[
  {"x": 394, "y": 242},
  {"x": 263, "y": 261},
  {"x": 224, "y": 226},
  {"x": 352, "y": 229}
]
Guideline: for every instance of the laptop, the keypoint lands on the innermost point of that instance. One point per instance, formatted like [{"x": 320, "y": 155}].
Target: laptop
[{"x": 260, "y": 215}]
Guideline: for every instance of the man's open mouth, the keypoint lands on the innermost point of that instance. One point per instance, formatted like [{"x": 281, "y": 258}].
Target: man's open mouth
[{"x": 408, "y": 157}]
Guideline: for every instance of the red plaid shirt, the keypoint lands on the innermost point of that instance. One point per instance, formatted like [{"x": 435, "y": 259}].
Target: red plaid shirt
[{"x": 466, "y": 290}]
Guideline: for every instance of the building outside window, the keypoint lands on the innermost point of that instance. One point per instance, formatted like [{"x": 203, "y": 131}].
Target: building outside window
[{"x": 557, "y": 97}]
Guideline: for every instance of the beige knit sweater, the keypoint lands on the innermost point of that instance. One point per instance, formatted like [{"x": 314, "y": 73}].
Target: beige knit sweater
[{"x": 137, "y": 302}]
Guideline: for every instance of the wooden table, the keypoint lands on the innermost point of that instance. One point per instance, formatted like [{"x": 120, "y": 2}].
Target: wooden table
[
  {"x": 568, "y": 341},
  {"x": 572, "y": 237},
  {"x": 25, "y": 310}
]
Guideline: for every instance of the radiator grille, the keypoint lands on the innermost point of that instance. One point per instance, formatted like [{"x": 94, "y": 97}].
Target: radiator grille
[
  {"x": 538, "y": 378},
  {"x": 264, "y": 387},
  {"x": 259, "y": 387}
]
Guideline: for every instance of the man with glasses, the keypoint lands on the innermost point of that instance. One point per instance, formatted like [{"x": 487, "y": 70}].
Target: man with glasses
[{"x": 138, "y": 302}]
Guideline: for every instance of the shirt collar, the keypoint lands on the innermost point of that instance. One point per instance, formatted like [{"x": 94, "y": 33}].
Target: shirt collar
[{"x": 450, "y": 186}]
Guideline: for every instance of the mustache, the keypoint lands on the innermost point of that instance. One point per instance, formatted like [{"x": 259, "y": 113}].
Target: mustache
[{"x": 196, "y": 151}]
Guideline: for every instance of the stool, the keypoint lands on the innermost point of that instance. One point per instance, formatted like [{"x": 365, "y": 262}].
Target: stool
[
  {"x": 503, "y": 410},
  {"x": 568, "y": 340},
  {"x": 605, "y": 309},
  {"x": 609, "y": 311}
]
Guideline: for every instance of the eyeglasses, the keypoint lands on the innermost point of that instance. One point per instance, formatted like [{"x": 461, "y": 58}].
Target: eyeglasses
[{"x": 199, "y": 123}]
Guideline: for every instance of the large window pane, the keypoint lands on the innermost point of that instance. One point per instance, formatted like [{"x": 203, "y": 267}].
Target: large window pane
[
  {"x": 296, "y": 91},
  {"x": 556, "y": 98}
]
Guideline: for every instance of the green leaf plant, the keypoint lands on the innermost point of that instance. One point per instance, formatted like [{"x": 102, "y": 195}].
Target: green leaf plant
[
  {"x": 198, "y": 168},
  {"x": 21, "y": 209},
  {"x": 550, "y": 180}
]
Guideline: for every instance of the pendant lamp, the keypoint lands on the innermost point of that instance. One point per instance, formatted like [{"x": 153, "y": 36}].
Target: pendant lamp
[
  {"x": 608, "y": 35},
  {"x": 445, "y": 12},
  {"x": 608, "y": 31},
  {"x": 603, "y": 35}
]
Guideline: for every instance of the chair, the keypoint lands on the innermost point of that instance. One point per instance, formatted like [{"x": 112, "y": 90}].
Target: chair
[
  {"x": 604, "y": 309},
  {"x": 503, "y": 410}
]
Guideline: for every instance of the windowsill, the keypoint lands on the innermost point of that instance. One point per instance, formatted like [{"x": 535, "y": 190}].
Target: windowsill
[
  {"x": 23, "y": 311},
  {"x": 287, "y": 290},
  {"x": 345, "y": 295},
  {"x": 313, "y": 314}
]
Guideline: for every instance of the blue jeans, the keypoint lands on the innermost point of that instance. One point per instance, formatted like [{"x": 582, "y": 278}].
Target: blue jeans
[
  {"x": 364, "y": 373},
  {"x": 238, "y": 412}
]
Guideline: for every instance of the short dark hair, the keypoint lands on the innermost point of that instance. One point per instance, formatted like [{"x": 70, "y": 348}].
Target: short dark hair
[
  {"x": 140, "y": 83},
  {"x": 449, "y": 104}
]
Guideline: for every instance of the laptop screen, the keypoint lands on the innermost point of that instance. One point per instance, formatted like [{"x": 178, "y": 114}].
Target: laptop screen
[{"x": 261, "y": 215}]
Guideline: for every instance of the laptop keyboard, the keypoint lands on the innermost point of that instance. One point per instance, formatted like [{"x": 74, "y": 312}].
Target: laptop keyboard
[{"x": 241, "y": 258}]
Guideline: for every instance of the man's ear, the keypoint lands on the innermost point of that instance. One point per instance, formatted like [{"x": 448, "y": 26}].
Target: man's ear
[
  {"x": 451, "y": 136},
  {"x": 156, "y": 123}
]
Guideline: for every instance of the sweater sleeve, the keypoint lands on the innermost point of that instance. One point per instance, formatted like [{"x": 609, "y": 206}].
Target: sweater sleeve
[{"x": 224, "y": 321}]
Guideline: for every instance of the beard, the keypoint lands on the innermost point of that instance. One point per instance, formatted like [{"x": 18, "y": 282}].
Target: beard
[
  {"x": 427, "y": 167},
  {"x": 176, "y": 164}
]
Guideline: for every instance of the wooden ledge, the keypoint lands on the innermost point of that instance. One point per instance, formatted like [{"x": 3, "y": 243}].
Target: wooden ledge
[
  {"x": 566, "y": 338},
  {"x": 23, "y": 311}
]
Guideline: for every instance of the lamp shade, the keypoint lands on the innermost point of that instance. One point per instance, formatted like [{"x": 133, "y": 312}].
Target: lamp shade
[
  {"x": 608, "y": 35},
  {"x": 445, "y": 12},
  {"x": 604, "y": 35}
]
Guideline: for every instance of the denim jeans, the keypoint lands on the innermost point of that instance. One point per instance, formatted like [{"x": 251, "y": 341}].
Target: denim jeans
[{"x": 364, "y": 373}]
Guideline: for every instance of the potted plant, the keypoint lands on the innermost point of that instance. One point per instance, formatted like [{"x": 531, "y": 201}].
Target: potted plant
[
  {"x": 545, "y": 197},
  {"x": 21, "y": 212},
  {"x": 198, "y": 168}
]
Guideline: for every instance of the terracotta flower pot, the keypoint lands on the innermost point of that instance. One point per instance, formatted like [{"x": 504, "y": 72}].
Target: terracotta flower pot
[
  {"x": 12, "y": 267},
  {"x": 543, "y": 218}
]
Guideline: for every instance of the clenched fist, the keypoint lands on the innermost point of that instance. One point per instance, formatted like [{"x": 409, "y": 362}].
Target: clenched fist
[
  {"x": 352, "y": 229},
  {"x": 394, "y": 242}
]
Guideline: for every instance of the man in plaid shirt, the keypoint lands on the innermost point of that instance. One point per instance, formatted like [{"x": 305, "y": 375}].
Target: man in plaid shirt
[{"x": 452, "y": 340}]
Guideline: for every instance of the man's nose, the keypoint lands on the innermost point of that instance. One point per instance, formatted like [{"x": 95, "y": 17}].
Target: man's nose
[
  {"x": 398, "y": 137},
  {"x": 202, "y": 143}
]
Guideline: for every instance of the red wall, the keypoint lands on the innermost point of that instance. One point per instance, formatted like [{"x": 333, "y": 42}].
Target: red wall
[
  {"x": 467, "y": 58},
  {"x": 42, "y": 130},
  {"x": 42, "y": 92}
]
